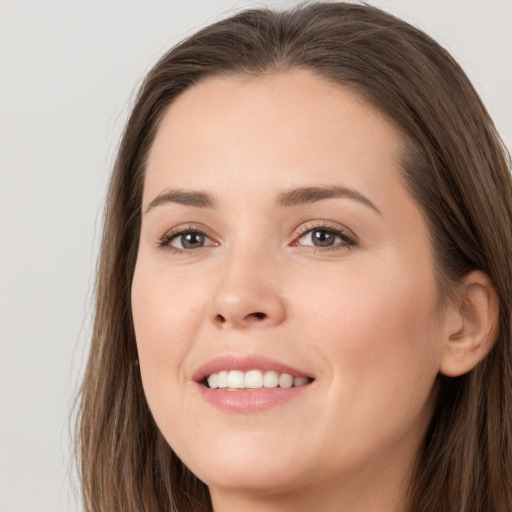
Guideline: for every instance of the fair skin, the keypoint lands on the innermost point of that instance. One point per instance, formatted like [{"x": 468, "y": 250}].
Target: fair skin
[{"x": 338, "y": 287}]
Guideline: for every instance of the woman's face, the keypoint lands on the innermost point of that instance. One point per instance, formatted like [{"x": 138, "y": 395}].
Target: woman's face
[{"x": 277, "y": 236}]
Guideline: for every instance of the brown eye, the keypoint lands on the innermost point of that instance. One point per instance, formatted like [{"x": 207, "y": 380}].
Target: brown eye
[
  {"x": 320, "y": 238},
  {"x": 189, "y": 240},
  {"x": 326, "y": 238},
  {"x": 186, "y": 240},
  {"x": 323, "y": 238}
]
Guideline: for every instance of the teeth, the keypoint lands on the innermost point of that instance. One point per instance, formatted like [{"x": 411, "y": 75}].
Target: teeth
[
  {"x": 270, "y": 379},
  {"x": 236, "y": 379},
  {"x": 222, "y": 381},
  {"x": 213, "y": 380},
  {"x": 300, "y": 381},
  {"x": 254, "y": 379},
  {"x": 285, "y": 380}
]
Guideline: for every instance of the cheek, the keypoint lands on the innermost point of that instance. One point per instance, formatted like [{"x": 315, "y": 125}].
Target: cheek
[
  {"x": 378, "y": 338},
  {"x": 379, "y": 332},
  {"x": 164, "y": 323}
]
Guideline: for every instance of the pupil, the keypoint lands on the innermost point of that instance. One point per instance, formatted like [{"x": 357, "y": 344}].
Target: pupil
[
  {"x": 323, "y": 238},
  {"x": 191, "y": 240}
]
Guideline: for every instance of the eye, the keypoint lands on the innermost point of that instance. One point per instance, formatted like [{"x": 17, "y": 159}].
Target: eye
[
  {"x": 323, "y": 237},
  {"x": 319, "y": 238},
  {"x": 191, "y": 240},
  {"x": 185, "y": 239}
]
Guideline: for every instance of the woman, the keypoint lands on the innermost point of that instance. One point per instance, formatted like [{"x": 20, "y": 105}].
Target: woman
[{"x": 305, "y": 287}]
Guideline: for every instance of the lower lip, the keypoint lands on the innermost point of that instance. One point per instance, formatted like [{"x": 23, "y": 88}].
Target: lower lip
[{"x": 249, "y": 400}]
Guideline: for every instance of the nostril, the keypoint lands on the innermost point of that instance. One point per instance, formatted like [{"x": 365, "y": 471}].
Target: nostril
[
  {"x": 220, "y": 319},
  {"x": 256, "y": 318}
]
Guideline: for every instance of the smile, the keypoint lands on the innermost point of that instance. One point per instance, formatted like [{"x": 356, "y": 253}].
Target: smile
[
  {"x": 254, "y": 379},
  {"x": 249, "y": 383}
]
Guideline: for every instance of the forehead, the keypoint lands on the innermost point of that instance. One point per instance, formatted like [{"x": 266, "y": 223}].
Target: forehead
[{"x": 291, "y": 127}]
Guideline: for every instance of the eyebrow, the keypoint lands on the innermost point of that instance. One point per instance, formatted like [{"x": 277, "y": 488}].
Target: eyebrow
[
  {"x": 184, "y": 197},
  {"x": 306, "y": 195},
  {"x": 294, "y": 197}
]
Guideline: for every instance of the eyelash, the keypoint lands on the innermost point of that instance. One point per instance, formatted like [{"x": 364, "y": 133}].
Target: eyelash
[
  {"x": 165, "y": 241},
  {"x": 349, "y": 240}
]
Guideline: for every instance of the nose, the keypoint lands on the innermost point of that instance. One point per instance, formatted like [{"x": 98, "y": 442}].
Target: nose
[{"x": 247, "y": 294}]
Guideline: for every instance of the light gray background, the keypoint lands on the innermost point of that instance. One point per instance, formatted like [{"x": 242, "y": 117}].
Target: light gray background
[{"x": 68, "y": 71}]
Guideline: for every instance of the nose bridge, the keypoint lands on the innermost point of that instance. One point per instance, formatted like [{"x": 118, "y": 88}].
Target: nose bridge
[{"x": 247, "y": 292}]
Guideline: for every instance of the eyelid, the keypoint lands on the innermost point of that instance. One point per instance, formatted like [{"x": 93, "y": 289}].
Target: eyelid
[
  {"x": 349, "y": 238},
  {"x": 165, "y": 240}
]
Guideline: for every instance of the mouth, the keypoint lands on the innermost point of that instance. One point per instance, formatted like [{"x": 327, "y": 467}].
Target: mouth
[
  {"x": 236, "y": 380},
  {"x": 249, "y": 383}
]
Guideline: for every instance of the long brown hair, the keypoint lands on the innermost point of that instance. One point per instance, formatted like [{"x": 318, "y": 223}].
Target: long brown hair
[{"x": 455, "y": 166}]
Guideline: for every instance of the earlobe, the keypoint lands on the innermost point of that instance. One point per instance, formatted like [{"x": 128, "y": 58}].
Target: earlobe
[{"x": 472, "y": 327}]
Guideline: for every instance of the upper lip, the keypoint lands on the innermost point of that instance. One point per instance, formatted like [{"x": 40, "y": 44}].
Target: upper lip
[{"x": 245, "y": 363}]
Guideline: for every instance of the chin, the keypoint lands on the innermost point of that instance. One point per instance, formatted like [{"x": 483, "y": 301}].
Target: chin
[
  {"x": 253, "y": 469},
  {"x": 262, "y": 478}
]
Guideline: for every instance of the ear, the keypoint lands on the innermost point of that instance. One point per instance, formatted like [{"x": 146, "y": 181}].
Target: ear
[{"x": 472, "y": 325}]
